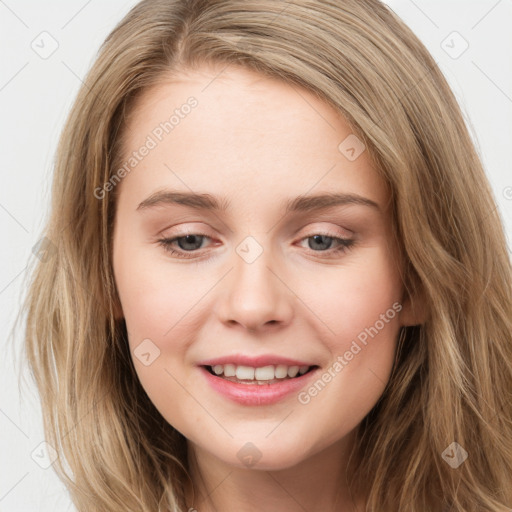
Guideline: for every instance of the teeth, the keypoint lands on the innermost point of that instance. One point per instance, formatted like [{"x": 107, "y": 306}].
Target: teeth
[
  {"x": 229, "y": 370},
  {"x": 245, "y": 373},
  {"x": 281, "y": 371},
  {"x": 292, "y": 371},
  {"x": 263, "y": 373}
]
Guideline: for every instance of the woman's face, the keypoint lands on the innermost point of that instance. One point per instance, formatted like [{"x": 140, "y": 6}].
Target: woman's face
[{"x": 270, "y": 276}]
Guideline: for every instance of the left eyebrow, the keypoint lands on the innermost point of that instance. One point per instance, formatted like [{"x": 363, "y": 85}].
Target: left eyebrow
[
  {"x": 304, "y": 203},
  {"x": 307, "y": 203}
]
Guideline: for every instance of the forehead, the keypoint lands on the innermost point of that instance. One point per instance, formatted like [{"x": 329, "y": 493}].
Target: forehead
[{"x": 247, "y": 133}]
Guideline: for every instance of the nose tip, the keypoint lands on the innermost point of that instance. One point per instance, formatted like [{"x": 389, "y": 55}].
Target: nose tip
[
  {"x": 255, "y": 298},
  {"x": 254, "y": 329}
]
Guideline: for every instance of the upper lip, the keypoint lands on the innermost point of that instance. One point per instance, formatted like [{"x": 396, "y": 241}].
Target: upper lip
[{"x": 254, "y": 361}]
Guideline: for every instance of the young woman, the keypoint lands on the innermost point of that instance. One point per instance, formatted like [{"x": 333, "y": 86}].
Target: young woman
[{"x": 278, "y": 277}]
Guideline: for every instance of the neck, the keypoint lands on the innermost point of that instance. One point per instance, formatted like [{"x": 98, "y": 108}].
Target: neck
[{"x": 318, "y": 482}]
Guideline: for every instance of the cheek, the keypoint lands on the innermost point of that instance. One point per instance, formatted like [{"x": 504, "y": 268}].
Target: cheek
[
  {"x": 357, "y": 296},
  {"x": 357, "y": 311},
  {"x": 155, "y": 302},
  {"x": 154, "y": 295}
]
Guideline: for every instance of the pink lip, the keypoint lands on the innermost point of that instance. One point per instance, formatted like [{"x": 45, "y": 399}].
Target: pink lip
[
  {"x": 255, "y": 362},
  {"x": 256, "y": 394}
]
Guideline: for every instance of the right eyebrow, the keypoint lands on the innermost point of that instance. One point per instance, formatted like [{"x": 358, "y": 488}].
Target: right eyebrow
[{"x": 199, "y": 201}]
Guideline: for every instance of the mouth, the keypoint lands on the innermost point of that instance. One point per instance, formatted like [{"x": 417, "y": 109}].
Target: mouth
[{"x": 259, "y": 376}]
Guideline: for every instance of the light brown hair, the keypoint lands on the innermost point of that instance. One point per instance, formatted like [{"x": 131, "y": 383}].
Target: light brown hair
[{"x": 452, "y": 379}]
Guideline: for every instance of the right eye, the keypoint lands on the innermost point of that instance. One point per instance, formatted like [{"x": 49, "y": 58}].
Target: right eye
[{"x": 191, "y": 240}]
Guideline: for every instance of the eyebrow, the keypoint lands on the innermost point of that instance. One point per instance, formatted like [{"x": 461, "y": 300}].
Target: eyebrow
[{"x": 304, "y": 203}]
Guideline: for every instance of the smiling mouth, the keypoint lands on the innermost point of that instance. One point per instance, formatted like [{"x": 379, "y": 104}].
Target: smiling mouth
[{"x": 270, "y": 374}]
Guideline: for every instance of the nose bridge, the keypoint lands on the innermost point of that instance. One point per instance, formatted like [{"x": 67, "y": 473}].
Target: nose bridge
[{"x": 256, "y": 297}]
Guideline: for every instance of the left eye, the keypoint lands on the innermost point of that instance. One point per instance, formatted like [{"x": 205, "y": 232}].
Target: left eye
[
  {"x": 326, "y": 239},
  {"x": 191, "y": 242}
]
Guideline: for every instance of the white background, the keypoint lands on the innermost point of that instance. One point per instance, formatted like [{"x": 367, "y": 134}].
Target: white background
[{"x": 36, "y": 95}]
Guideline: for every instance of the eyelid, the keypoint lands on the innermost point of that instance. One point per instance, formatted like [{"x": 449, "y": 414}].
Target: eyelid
[
  {"x": 191, "y": 230},
  {"x": 343, "y": 244},
  {"x": 345, "y": 232}
]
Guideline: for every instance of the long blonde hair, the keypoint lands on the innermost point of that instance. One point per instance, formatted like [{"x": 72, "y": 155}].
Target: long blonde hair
[{"x": 452, "y": 378}]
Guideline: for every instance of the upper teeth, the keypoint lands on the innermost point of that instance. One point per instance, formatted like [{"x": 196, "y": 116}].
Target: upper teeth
[{"x": 262, "y": 373}]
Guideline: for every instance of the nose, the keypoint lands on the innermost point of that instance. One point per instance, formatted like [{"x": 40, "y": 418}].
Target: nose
[{"x": 254, "y": 296}]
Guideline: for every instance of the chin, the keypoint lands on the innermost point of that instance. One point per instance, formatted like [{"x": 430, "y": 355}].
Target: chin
[{"x": 266, "y": 456}]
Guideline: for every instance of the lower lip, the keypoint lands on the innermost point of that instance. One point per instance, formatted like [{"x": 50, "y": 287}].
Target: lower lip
[{"x": 256, "y": 394}]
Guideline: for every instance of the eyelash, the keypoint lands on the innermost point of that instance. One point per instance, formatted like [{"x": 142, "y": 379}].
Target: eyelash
[{"x": 345, "y": 244}]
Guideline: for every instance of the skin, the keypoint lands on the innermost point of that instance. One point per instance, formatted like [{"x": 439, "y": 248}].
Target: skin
[{"x": 257, "y": 142}]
